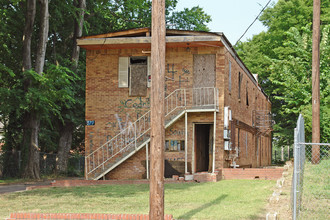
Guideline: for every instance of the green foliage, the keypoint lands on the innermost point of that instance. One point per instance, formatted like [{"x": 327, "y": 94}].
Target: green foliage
[
  {"x": 106, "y": 16},
  {"x": 316, "y": 191},
  {"x": 282, "y": 57},
  {"x": 191, "y": 19}
]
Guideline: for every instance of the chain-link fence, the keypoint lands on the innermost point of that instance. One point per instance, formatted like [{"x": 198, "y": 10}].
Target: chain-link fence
[
  {"x": 11, "y": 164},
  {"x": 304, "y": 153}
]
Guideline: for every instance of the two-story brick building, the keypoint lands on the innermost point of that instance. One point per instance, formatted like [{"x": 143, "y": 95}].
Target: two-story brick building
[{"x": 217, "y": 116}]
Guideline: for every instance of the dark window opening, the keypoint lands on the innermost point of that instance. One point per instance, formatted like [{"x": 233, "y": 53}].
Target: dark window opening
[
  {"x": 138, "y": 60},
  {"x": 240, "y": 77},
  {"x": 247, "y": 94}
]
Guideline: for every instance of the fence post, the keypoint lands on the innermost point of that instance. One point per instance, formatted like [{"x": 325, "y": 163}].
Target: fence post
[{"x": 295, "y": 166}]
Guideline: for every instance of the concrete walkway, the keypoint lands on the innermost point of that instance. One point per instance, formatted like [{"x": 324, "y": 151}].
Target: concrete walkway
[{"x": 9, "y": 188}]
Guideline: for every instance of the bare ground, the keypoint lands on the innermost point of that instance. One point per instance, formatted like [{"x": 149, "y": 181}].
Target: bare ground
[{"x": 280, "y": 201}]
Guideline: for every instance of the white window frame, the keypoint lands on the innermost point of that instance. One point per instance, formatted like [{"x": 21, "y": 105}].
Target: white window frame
[{"x": 123, "y": 64}]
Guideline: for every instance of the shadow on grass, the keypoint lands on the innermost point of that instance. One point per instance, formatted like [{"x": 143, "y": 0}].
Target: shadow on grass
[
  {"x": 191, "y": 213},
  {"x": 113, "y": 191}
]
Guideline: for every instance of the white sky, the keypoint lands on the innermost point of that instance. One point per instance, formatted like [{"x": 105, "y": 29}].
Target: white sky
[{"x": 232, "y": 17}]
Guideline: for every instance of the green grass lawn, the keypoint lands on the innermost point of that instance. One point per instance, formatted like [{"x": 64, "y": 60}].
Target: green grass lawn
[
  {"x": 228, "y": 199},
  {"x": 316, "y": 191}
]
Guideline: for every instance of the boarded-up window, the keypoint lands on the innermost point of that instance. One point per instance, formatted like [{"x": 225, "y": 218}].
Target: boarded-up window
[
  {"x": 229, "y": 77},
  {"x": 138, "y": 76},
  {"x": 123, "y": 72},
  {"x": 204, "y": 70}
]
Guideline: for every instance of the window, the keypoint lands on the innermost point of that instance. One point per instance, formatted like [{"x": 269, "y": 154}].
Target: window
[
  {"x": 123, "y": 72},
  {"x": 238, "y": 140},
  {"x": 174, "y": 145},
  {"x": 240, "y": 78},
  {"x": 247, "y": 94},
  {"x": 229, "y": 77},
  {"x": 134, "y": 73}
]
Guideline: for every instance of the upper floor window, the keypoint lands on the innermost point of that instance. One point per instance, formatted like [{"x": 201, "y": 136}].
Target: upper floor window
[
  {"x": 247, "y": 94},
  {"x": 240, "y": 78},
  {"x": 134, "y": 73},
  {"x": 229, "y": 77}
]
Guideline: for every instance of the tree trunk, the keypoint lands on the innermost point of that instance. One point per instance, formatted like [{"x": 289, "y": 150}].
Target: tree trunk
[
  {"x": 66, "y": 130},
  {"x": 27, "y": 35},
  {"x": 78, "y": 27},
  {"x": 32, "y": 120},
  {"x": 64, "y": 147},
  {"x": 43, "y": 37},
  {"x": 30, "y": 139}
]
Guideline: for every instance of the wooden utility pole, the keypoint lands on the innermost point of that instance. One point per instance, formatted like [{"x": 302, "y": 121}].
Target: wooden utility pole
[
  {"x": 158, "y": 33},
  {"x": 316, "y": 82}
]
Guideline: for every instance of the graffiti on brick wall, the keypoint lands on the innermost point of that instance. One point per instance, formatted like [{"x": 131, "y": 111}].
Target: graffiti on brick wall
[
  {"x": 176, "y": 76},
  {"x": 138, "y": 105},
  {"x": 175, "y": 132},
  {"x": 121, "y": 123},
  {"x": 122, "y": 126}
]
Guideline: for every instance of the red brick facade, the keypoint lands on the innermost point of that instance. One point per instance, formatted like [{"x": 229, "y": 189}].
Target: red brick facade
[{"x": 113, "y": 109}]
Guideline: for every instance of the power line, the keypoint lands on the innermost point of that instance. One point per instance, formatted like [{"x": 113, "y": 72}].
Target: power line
[{"x": 253, "y": 22}]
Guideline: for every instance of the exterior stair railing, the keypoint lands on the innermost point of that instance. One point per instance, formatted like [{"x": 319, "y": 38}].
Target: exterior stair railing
[
  {"x": 136, "y": 135},
  {"x": 263, "y": 121}
]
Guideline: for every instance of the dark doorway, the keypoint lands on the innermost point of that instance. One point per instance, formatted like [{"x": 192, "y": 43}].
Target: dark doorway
[{"x": 203, "y": 148}]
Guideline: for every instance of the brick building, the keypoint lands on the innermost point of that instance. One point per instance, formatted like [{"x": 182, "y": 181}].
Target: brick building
[{"x": 217, "y": 116}]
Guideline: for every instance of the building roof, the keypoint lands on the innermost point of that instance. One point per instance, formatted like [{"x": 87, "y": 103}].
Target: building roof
[{"x": 141, "y": 38}]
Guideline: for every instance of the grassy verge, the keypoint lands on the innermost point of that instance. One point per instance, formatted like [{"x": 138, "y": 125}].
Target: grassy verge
[
  {"x": 12, "y": 181},
  {"x": 316, "y": 191},
  {"x": 229, "y": 199}
]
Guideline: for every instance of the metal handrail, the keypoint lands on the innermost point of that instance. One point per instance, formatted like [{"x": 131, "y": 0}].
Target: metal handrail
[{"x": 123, "y": 141}]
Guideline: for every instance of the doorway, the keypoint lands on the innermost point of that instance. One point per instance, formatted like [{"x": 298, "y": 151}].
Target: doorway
[{"x": 203, "y": 147}]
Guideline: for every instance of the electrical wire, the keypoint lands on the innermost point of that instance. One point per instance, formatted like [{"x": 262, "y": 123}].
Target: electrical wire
[{"x": 253, "y": 22}]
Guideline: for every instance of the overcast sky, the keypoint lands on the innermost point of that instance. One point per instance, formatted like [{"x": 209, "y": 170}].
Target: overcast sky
[{"x": 232, "y": 17}]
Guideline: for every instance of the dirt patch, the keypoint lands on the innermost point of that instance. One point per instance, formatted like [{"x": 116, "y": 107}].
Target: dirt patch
[{"x": 280, "y": 201}]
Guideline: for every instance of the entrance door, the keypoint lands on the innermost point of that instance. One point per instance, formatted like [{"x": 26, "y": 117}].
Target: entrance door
[
  {"x": 204, "y": 70},
  {"x": 203, "y": 147}
]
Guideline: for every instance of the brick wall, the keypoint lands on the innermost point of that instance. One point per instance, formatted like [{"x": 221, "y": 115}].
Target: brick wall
[
  {"x": 251, "y": 154},
  {"x": 133, "y": 168},
  {"x": 252, "y": 173},
  {"x": 113, "y": 109}
]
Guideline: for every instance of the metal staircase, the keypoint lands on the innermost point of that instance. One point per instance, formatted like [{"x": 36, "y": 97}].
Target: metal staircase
[
  {"x": 130, "y": 140},
  {"x": 262, "y": 120}
]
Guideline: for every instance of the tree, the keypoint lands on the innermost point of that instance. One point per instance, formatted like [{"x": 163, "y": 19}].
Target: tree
[
  {"x": 42, "y": 107},
  {"x": 67, "y": 127},
  {"x": 190, "y": 19},
  {"x": 31, "y": 117},
  {"x": 282, "y": 58}
]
